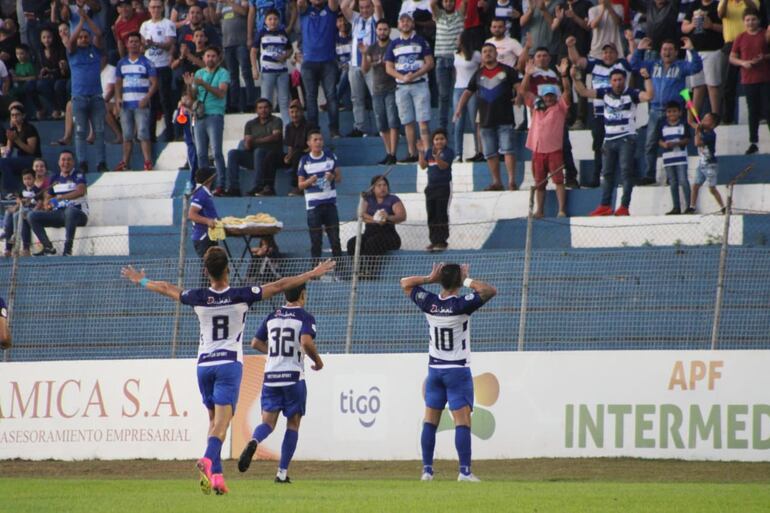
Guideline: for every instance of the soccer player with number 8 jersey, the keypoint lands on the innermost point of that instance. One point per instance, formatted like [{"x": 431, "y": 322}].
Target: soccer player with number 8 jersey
[
  {"x": 449, "y": 356},
  {"x": 221, "y": 311}
]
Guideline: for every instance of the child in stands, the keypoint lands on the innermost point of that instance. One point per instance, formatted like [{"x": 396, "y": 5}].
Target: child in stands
[
  {"x": 706, "y": 140},
  {"x": 673, "y": 136},
  {"x": 438, "y": 161}
]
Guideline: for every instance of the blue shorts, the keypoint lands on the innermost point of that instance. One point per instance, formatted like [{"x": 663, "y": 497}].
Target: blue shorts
[
  {"x": 220, "y": 384},
  {"x": 135, "y": 119},
  {"x": 289, "y": 399},
  {"x": 449, "y": 385}
]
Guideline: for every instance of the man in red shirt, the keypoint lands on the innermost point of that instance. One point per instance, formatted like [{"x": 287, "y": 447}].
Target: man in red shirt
[
  {"x": 750, "y": 53},
  {"x": 127, "y": 23}
]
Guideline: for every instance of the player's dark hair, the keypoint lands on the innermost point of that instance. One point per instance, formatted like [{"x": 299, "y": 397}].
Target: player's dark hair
[
  {"x": 673, "y": 104},
  {"x": 293, "y": 295},
  {"x": 215, "y": 262},
  {"x": 451, "y": 276}
]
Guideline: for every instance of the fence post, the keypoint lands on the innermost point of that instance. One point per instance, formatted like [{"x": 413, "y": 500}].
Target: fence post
[
  {"x": 14, "y": 272},
  {"x": 525, "y": 274},
  {"x": 180, "y": 273},
  {"x": 354, "y": 278}
]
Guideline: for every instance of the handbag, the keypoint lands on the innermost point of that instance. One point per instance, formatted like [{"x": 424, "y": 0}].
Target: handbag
[{"x": 199, "y": 106}]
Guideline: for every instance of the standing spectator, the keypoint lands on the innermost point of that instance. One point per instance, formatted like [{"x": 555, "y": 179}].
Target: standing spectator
[
  {"x": 65, "y": 205},
  {"x": 209, "y": 87},
  {"x": 107, "y": 78},
  {"x": 196, "y": 21},
  {"x": 473, "y": 20},
  {"x": 449, "y": 24},
  {"x": 26, "y": 200},
  {"x": 605, "y": 21},
  {"x": 183, "y": 117},
  {"x": 269, "y": 54},
  {"x": 466, "y": 63},
  {"x": 493, "y": 85},
  {"x": 508, "y": 10},
  {"x": 673, "y": 137},
  {"x": 136, "y": 83},
  {"x": 750, "y": 52},
  {"x": 438, "y": 160},
  {"x": 703, "y": 26},
  {"x": 408, "y": 60},
  {"x": 260, "y": 150},
  {"x": 731, "y": 12},
  {"x": 5, "y": 87},
  {"x": 202, "y": 212},
  {"x": 364, "y": 30},
  {"x": 19, "y": 150},
  {"x": 662, "y": 21},
  {"x": 383, "y": 212},
  {"x": 600, "y": 70},
  {"x": 343, "y": 47},
  {"x": 508, "y": 49},
  {"x": 35, "y": 13},
  {"x": 420, "y": 12},
  {"x": 668, "y": 77},
  {"x": 545, "y": 138},
  {"x": 296, "y": 143},
  {"x": 708, "y": 167},
  {"x": 383, "y": 93},
  {"x": 127, "y": 23},
  {"x": 73, "y": 11},
  {"x": 180, "y": 13},
  {"x": 232, "y": 16},
  {"x": 319, "y": 67},
  {"x": 189, "y": 61},
  {"x": 319, "y": 175},
  {"x": 258, "y": 10},
  {"x": 159, "y": 39},
  {"x": 571, "y": 20},
  {"x": 88, "y": 108},
  {"x": 52, "y": 81},
  {"x": 620, "y": 134},
  {"x": 538, "y": 19}
]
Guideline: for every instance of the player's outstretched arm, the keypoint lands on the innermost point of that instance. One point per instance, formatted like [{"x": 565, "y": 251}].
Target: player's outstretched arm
[
  {"x": 310, "y": 350},
  {"x": 259, "y": 345},
  {"x": 291, "y": 282},
  {"x": 483, "y": 289},
  {"x": 410, "y": 282},
  {"x": 5, "y": 334},
  {"x": 161, "y": 287}
]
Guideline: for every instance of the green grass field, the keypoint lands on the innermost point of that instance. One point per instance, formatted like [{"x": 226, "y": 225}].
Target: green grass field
[{"x": 586, "y": 485}]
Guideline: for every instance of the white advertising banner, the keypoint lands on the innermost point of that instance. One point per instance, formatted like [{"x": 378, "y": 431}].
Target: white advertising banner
[
  {"x": 108, "y": 409},
  {"x": 651, "y": 404}
]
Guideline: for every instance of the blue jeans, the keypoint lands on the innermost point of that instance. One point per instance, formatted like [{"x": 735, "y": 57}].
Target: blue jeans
[
  {"x": 189, "y": 142},
  {"x": 469, "y": 113},
  {"x": 324, "y": 217},
  {"x": 210, "y": 130},
  {"x": 89, "y": 110},
  {"x": 344, "y": 96},
  {"x": 262, "y": 160},
  {"x": 445, "y": 80},
  {"x": 279, "y": 81},
  {"x": 651, "y": 142},
  {"x": 323, "y": 74},
  {"x": 360, "y": 86},
  {"x": 69, "y": 217},
  {"x": 385, "y": 111},
  {"x": 237, "y": 58},
  {"x": 618, "y": 152},
  {"x": 677, "y": 177},
  {"x": 54, "y": 91},
  {"x": 11, "y": 222},
  {"x": 497, "y": 141}
]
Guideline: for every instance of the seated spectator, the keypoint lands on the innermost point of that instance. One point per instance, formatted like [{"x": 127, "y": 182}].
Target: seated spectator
[
  {"x": 42, "y": 179},
  {"x": 65, "y": 205},
  {"x": 438, "y": 160},
  {"x": 383, "y": 92},
  {"x": 26, "y": 201},
  {"x": 24, "y": 76},
  {"x": 295, "y": 142},
  {"x": 265, "y": 261},
  {"x": 383, "y": 212},
  {"x": 260, "y": 150},
  {"x": 20, "y": 148},
  {"x": 51, "y": 83}
]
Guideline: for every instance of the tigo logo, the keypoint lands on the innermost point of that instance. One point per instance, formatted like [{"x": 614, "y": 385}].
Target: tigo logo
[{"x": 365, "y": 406}]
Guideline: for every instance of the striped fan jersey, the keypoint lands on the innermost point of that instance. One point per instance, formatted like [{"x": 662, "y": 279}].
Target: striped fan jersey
[
  {"x": 600, "y": 77},
  {"x": 364, "y": 31},
  {"x": 408, "y": 55},
  {"x": 282, "y": 330},
  {"x": 619, "y": 112},
  {"x": 136, "y": 79},
  {"x": 272, "y": 44},
  {"x": 448, "y": 326},
  {"x": 343, "y": 47},
  {"x": 222, "y": 317},
  {"x": 676, "y": 156},
  {"x": 61, "y": 184},
  {"x": 323, "y": 191}
]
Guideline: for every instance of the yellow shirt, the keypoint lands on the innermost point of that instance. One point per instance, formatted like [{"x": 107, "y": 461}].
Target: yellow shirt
[{"x": 732, "y": 23}]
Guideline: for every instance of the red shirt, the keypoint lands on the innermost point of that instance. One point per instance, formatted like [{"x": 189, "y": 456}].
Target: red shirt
[
  {"x": 626, "y": 10},
  {"x": 542, "y": 76},
  {"x": 747, "y": 46},
  {"x": 472, "y": 18},
  {"x": 122, "y": 29}
]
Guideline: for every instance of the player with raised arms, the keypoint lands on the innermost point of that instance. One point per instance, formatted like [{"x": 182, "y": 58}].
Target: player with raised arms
[
  {"x": 5, "y": 332},
  {"x": 286, "y": 336},
  {"x": 449, "y": 356},
  {"x": 221, "y": 311}
]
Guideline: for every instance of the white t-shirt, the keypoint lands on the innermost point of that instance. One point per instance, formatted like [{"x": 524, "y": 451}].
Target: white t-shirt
[
  {"x": 465, "y": 69},
  {"x": 158, "y": 32},
  {"x": 108, "y": 77},
  {"x": 409, "y": 6},
  {"x": 508, "y": 50},
  {"x": 606, "y": 32}
]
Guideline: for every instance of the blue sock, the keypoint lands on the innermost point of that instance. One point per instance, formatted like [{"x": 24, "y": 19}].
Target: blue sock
[
  {"x": 287, "y": 448},
  {"x": 463, "y": 446},
  {"x": 214, "y": 453},
  {"x": 428, "y": 443},
  {"x": 261, "y": 432}
]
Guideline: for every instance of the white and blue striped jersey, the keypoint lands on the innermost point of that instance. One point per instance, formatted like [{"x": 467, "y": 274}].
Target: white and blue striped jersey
[
  {"x": 272, "y": 45},
  {"x": 619, "y": 112},
  {"x": 449, "y": 326},
  {"x": 323, "y": 191},
  {"x": 408, "y": 55},
  {"x": 363, "y": 31},
  {"x": 136, "y": 80},
  {"x": 676, "y": 156},
  {"x": 282, "y": 330},
  {"x": 600, "y": 77},
  {"x": 222, "y": 317}
]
